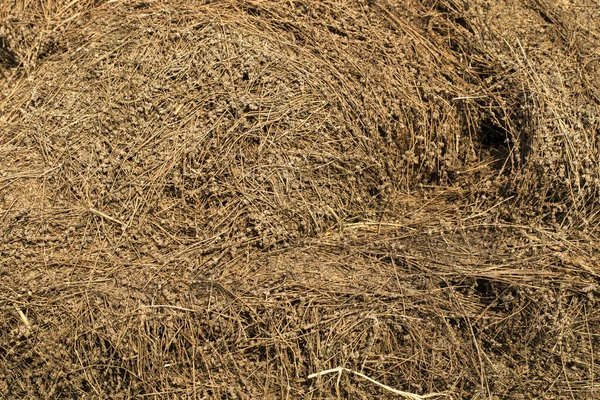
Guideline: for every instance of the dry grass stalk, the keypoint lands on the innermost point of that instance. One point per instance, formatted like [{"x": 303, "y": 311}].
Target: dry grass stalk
[{"x": 406, "y": 395}]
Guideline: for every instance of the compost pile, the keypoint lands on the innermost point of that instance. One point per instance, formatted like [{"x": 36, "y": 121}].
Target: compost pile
[{"x": 229, "y": 199}]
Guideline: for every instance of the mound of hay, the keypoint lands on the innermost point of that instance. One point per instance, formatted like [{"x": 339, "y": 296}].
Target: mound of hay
[{"x": 218, "y": 199}]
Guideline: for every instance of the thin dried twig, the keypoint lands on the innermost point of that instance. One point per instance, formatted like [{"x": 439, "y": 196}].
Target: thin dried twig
[
  {"x": 23, "y": 317},
  {"x": 407, "y": 395},
  {"x": 106, "y": 216}
]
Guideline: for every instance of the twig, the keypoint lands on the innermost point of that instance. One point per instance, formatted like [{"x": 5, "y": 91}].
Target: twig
[
  {"x": 23, "y": 318},
  {"x": 407, "y": 395},
  {"x": 108, "y": 217},
  {"x": 470, "y": 97}
]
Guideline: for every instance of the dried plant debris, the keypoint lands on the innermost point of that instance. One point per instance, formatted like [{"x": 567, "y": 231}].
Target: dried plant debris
[{"x": 302, "y": 199}]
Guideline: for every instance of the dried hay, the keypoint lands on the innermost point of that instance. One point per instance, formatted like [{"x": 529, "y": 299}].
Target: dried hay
[{"x": 223, "y": 199}]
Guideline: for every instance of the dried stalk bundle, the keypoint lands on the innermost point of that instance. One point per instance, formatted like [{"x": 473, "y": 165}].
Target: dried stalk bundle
[{"x": 219, "y": 199}]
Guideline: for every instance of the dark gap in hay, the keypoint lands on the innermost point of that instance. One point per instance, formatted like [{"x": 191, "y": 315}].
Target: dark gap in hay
[
  {"x": 488, "y": 290},
  {"x": 8, "y": 57},
  {"x": 494, "y": 138}
]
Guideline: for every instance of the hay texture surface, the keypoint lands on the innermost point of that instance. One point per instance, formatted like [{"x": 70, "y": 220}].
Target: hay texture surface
[{"x": 223, "y": 199}]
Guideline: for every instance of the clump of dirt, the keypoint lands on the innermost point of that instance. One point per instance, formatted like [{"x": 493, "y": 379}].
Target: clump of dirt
[{"x": 219, "y": 199}]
